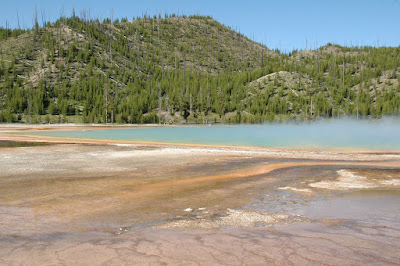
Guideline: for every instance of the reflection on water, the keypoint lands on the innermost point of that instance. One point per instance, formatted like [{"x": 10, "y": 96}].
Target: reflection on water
[
  {"x": 146, "y": 198},
  {"x": 11, "y": 144},
  {"x": 376, "y": 207},
  {"x": 368, "y": 205}
]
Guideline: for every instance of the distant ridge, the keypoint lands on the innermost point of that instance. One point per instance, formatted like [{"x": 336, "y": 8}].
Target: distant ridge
[{"x": 180, "y": 69}]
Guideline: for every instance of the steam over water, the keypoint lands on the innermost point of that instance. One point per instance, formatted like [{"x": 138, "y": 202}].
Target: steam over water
[{"x": 381, "y": 134}]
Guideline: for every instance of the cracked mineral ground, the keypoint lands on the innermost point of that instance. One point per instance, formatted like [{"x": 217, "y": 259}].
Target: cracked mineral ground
[{"x": 113, "y": 204}]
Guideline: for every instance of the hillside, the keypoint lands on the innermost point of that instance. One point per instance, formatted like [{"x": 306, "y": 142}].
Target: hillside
[{"x": 183, "y": 69}]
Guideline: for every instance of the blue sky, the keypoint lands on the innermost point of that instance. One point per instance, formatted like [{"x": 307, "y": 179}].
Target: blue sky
[{"x": 278, "y": 24}]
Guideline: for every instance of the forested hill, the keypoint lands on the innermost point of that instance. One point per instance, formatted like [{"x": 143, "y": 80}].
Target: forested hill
[{"x": 183, "y": 69}]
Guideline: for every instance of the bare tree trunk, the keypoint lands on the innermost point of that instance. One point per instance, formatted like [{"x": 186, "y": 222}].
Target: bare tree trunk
[
  {"x": 1, "y": 88},
  {"x": 106, "y": 88},
  {"x": 369, "y": 57},
  {"x": 190, "y": 104},
  {"x": 208, "y": 96},
  {"x": 344, "y": 65},
  {"x": 18, "y": 20},
  {"x": 359, "y": 88},
  {"x": 112, "y": 16},
  {"x": 299, "y": 74},
  {"x": 36, "y": 20},
  {"x": 159, "y": 104},
  {"x": 175, "y": 59},
  {"x": 43, "y": 15},
  {"x": 29, "y": 107},
  {"x": 262, "y": 57},
  {"x": 158, "y": 33},
  {"x": 201, "y": 98},
  {"x": 358, "y": 100},
  {"x": 306, "y": 112},
  {"x": 167, "y": 105},
  {"x": 362, "y": 72},
  {"x": 106, "y": 94},
  {"x": 182, "y": 94},
  {"x": 334, "y": 67}
]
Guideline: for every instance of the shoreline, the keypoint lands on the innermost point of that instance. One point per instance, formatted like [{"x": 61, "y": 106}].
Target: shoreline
[
  {"x": 11, "y": 133},
  {"x": 80, "y": 198}
]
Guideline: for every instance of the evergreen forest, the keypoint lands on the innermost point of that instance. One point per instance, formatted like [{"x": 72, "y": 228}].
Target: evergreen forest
[{"x": 183, "y": 69}]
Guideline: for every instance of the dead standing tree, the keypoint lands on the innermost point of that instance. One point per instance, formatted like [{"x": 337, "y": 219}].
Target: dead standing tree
[
  {"x": 1, "y": 87},
  {"x": 159, "y": 104},
  {"x": 107, "y": 88}
]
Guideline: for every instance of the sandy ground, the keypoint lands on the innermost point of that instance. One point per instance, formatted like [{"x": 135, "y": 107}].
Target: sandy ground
[{"x": 96, "y": 202}]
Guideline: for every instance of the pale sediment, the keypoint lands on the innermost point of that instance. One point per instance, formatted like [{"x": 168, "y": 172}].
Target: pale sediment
[
  {"x": 303, "y": 190},
  {"x": 18, "y": 133},
  {"x": 166, "y": 148},
  {"x": 351, "y": 180},
  {"x": 74, "y": 203}
]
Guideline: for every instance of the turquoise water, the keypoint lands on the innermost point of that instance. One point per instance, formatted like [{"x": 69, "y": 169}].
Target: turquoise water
[{"x": 360, "y": 134}]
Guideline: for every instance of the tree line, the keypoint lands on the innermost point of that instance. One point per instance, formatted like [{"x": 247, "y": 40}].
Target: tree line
[{"x": 175, "y": 69}]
